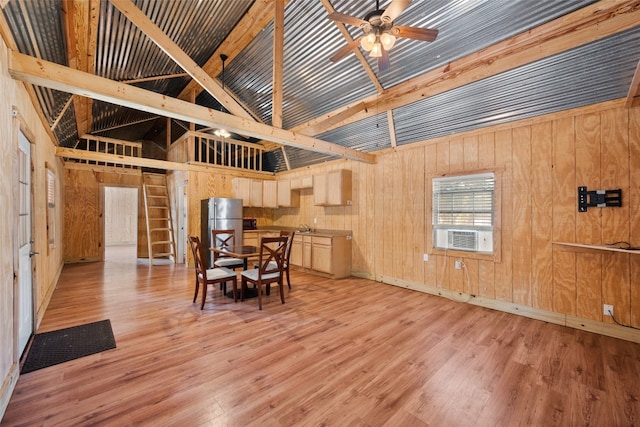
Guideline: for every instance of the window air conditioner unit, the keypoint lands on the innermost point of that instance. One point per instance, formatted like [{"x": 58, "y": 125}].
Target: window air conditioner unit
[{"x": 464, "y": 240}]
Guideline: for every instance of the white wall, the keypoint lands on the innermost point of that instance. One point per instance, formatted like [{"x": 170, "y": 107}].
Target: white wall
[{"x": 120, "y": 216}]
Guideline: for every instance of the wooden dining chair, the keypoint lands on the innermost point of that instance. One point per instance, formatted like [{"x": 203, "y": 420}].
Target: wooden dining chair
[
  {"x": 223, "y": 239},
  {"x": 287, "y": 254},
  {"x": 270, "y": 267},
  {"x": 211, "y": 276}
]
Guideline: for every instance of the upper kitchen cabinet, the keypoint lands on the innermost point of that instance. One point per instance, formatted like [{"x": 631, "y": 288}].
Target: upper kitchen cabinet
[
  {"x": 302, "y": 182},
  {"x": 241, "y": 189},
  {"x": 286, "y": 197},
  {"x": 270, "y": 194},
  {"x": 332, "y": 188},
  {"x": 250, "y": 191}
]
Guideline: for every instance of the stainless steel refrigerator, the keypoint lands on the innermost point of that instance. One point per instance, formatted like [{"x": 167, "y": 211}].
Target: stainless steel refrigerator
[{"x": 220, "y": 214}]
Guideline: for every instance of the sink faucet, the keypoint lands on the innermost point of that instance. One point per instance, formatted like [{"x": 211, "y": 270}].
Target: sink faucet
[{"x": 305, "y": 228}]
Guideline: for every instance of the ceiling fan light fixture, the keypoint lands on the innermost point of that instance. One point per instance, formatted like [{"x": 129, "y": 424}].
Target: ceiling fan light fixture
[
  {"x": 368, "y": 41},
  {"x": 387, "y": 40},
  {"x": 376, "y": 50}
]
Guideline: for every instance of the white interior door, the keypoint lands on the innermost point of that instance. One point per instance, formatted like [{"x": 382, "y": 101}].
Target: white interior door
[{"x": 25, "y": 289}]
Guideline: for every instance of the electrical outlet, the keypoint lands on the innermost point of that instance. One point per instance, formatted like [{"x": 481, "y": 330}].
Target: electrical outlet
[
  {"x": 315, "y": 220},
  {"x": 607, "y": 310},
  {"x": 458, "y": 265},
  {"x": 425, "y": 257}
]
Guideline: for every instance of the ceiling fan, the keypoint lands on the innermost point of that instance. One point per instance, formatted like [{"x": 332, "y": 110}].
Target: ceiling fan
[{"x": 378, "y": 32}]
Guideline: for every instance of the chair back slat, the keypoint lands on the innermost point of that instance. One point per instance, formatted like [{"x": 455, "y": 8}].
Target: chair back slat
[
  {"x": 196, "y": 248},
  {"x": 272, "y": 254},
  {"x": 222, "y": 239}
]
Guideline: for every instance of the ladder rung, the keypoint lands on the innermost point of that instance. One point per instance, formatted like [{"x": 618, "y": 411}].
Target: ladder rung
[
  {"x": 162, "y": 254},
  {"x": 160, "y": 229},
  {"x": 158, "y": 207},
  {"x": 161, "y": 242},
  {"x": 154, "y": 185}
]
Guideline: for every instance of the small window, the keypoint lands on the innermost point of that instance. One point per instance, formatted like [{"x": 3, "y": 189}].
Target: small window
[
  {"x": 463, "y": 212},
  {"x": 51, "y": 205}
]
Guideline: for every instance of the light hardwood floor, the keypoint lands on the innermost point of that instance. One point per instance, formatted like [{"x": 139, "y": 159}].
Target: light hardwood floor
[{"x": 350, "y": 352}]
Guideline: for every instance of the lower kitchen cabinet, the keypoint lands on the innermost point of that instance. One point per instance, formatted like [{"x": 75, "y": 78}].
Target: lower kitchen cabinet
[{"x": 330, "y": 255}]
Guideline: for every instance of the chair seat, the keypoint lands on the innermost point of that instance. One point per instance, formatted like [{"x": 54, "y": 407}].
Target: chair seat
[
  {"x": 219, "y": 273},
  {"x": 228, "y": 262},
  {"x": 253, "y": 274}
]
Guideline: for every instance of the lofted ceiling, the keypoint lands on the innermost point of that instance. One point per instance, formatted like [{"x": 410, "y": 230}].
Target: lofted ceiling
[{"x": 493, "y": 62}]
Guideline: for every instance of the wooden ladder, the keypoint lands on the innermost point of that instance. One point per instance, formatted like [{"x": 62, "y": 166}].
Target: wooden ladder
[{"x": 157, "y": 206}]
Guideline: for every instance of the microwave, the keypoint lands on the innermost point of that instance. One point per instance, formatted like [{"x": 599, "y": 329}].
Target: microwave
[{"x": 249, "y": 224}]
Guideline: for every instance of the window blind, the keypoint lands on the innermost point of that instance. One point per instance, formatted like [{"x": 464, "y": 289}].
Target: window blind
[{"x": 465, "y": 201}]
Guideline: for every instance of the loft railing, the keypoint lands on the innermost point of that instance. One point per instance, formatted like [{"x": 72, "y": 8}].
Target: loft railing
[
  {"x": 98, "y": 144},
  {"x": 203, "y": 148}
]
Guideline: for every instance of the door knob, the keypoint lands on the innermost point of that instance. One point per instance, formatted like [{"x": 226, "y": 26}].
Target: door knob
[{"x": 32, "y": 253}]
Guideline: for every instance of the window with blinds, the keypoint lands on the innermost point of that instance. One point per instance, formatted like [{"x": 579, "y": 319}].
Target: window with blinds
[{"x": 463, "y": 212}]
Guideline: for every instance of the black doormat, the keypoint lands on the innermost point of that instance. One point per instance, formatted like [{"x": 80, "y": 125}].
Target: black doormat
[
  {"x": 63, "y": 345},
  {"x": 248, "y": 293}
]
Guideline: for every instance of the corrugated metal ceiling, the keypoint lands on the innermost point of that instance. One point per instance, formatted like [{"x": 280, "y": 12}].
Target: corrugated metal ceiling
[
  {"x": 313, "y": 86},
  {"x": 597, "y": 72}
]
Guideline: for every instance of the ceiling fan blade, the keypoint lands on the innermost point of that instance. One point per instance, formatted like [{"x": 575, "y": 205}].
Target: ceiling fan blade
[
  {"x": 346, "y": 19},
  {"x": 394, "y": 9},
  {"x": 346, "y": 49},
  {"x": 424, "y": 34},
  {"x": 383, "y": 61}
]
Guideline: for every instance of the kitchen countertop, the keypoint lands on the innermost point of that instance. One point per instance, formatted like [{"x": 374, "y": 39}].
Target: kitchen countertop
[{"x": 318, "y": 232}]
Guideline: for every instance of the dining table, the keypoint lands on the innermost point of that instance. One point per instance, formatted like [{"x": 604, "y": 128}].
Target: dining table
[{"x": 243, "y": 252}]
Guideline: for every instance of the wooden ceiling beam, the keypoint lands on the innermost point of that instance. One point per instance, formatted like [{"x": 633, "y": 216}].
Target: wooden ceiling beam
[
  {"x": 591, "y": 23},
  {"x": 633, "y": 97},
  {"x": 254, "y": 21},
  {"x": 168, "y": 46},
  {"x": 48, "y": 74},
  {"x": 80, "y": 19}
]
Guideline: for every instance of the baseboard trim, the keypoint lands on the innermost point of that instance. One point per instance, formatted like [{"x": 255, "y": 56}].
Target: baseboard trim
[{"x": 588, "y": 325}]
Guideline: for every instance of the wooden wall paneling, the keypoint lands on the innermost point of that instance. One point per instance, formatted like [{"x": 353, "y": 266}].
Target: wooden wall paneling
[
  {"x": 486, "y": 151},
  {"x": 458, "y": 163},
  {"x": 564, "y": 215},
  {"x": 79, "y": 204},
  {"x": 379, "y": 218},
  {"x": 357, "y": 257},
  {"x": 486, "y": 279},
  {"x": 456, "y": 155},
  {"x": 443, "y": 152},
  {"x": 413, "y": 214},
  {"x": 588, "y": 224},
  {"x": 430, "y": 168},
  {"x": 471, "y": 276},
  {"x": 486, "y": 160},
  {"x": 392, "y": 228},
  {"x": 83, "y": 212},
  {"x": 615, "y": 221},
  {"x": 541, "y": 216},
  {"x": 521, "y": 214},
  {"x": 372, "y": 241},
  {"x": 634, "y": 218},
  {"x": 503, "y": 269},
  {"x": 471, "y": 154},
  {"x": 363, "y": 236}
]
